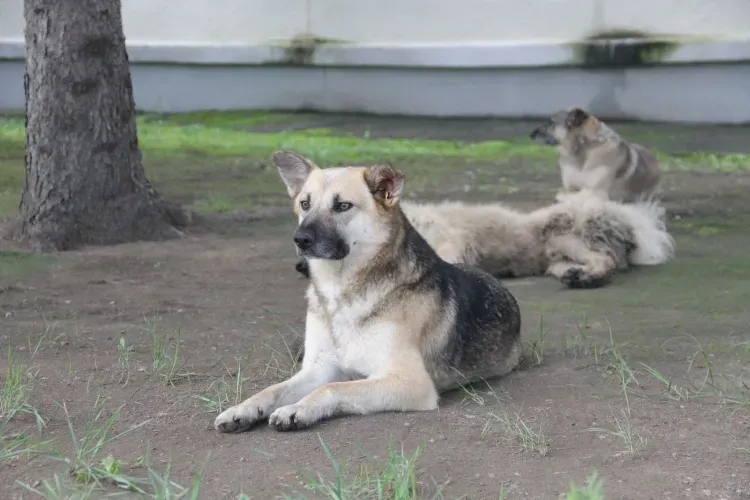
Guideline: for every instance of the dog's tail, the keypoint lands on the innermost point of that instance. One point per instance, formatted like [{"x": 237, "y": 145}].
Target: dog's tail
[
  {"x": 647, "y": 221},
  {"x": 639, "y": 226}
]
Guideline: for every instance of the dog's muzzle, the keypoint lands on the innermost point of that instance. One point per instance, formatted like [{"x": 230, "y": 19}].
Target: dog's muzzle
[
  {"x": 317, "y": 242},
  {"x": 540, "y": 135}
]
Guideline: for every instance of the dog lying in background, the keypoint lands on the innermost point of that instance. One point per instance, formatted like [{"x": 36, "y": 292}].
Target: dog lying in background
[
  {"x": 593, "y": 156},
  {"x": 583, "y": 240},
  {"x": 389, "y": 323}
]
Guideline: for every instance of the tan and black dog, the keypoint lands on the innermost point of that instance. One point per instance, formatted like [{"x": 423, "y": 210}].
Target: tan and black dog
[
  {"x": 593, "y": 156},
  {"x": 389, "y": 323}
]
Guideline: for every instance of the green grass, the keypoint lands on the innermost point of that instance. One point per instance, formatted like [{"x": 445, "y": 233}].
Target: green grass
[
  {"x": 170, "y": 139},
  {"x": 18, "y": 263},
  {"x": 394, "y": 479},
  {"x": 528, "y": 438},
  {"x": 226, "y": 119},
  {"x": 592, "y": 490},
  {"x": 214, "y": 162}
]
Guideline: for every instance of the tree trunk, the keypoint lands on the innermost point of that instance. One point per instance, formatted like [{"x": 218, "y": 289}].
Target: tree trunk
[{"x": 84, "y": 177}]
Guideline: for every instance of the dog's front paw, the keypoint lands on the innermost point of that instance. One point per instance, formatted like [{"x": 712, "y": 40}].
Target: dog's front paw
[
  {"x": 238, "y": 418},
  {"x": 294, "y": 417}
]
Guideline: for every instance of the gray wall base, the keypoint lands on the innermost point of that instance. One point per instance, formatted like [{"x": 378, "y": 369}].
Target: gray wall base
[{"x": 713, "y": 88}]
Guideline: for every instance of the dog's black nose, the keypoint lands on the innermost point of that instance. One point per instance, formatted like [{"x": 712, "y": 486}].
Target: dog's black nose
[
  {"x": 534, "y": 133},
  {"x": 303, "y": 238}
]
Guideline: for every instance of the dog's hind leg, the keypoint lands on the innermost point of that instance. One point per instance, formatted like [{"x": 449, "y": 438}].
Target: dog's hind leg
[
  {"x": 401, "y": 390},
  {"x": 577, "y": 265}
]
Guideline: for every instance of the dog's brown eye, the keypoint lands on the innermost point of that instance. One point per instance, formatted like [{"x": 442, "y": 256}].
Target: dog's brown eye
[
  {"x": 342, "y": 206},
  {"x": 304, "y": 204}
]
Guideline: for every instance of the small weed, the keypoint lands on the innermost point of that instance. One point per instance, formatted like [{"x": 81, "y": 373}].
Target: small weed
[
  {"x": 224, "y": 393},
  {"x": 156, "y": 486},
  {"x": 579, "y": 344},
  {"x": 84, "y": 465},
  {"x": 20, "y": 382},
  {"x": 711, "y": 384},
  {"x": 282, "y": 364},
  {"x": 59, "y": 489},
  {"x": 592, "y": 490},
  {"x": 479, "y": 397},
  {"x": 163, "y": 488},
  {"x": 533, "y": 353},
  {"x": 123, "y": 361},
  {"x": 472, "y": 395},
  {"x": 396, "y": 479},
  {"x": 625, "y": 376},
  {"x": 17, "y": 444},
  {"x": 674, "y": 391},
  {"x": 165, "y": 358},
  {"x": 529, "y": 438},
  {"x": 624, "y": 431}
]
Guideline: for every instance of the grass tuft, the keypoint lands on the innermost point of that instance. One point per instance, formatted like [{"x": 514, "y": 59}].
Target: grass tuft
[
  {"x": 592, "y": 490},
  {"x": 534, "y": 352},
  {"x": 394, "y": 479},
  {"x": 165, "y": 357},
  {"x": 84, "y": 464},
  {"x": 20, "y": 382},
  {"x": 624, "y": 431},
  {"x": 529, "y": 438},
  {"x": 224, "y": 392}
]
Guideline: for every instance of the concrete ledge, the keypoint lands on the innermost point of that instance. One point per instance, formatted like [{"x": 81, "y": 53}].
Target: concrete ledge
[
  {"x": 433, "y": 55},
  {"x": 697, "y": 82}
]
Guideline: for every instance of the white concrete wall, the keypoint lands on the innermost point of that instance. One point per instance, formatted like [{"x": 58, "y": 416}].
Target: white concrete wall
[{"x": 409, "y": 21}]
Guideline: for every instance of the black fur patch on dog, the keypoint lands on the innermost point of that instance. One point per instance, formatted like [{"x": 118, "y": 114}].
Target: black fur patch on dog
[{"x": 302, "y": 268}]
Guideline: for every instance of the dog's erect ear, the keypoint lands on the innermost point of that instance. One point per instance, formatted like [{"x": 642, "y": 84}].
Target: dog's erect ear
[
  {"x": 385, "y": 183},
  {"x": 294, "y": 170},
  {"x": 576, "y": 117}
]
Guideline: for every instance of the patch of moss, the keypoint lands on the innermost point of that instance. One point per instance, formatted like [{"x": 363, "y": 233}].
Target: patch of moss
[
  {"x": 20, "y": 263},
  {"x": 236, "y": 119},
  {"x": 704, "y": 162},
  {"x": 698, "y": 229}
]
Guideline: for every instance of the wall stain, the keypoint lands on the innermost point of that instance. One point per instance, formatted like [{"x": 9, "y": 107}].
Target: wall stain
[
  {"x": 299, "y": 51},
  {"x": 623, "y": 48}
]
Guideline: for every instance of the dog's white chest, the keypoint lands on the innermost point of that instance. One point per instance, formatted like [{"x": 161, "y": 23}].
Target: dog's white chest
[
  {"x": 353, "y": 344},
  {"x": 573, "y": 176},
  {"x": 360, "y": 342}
]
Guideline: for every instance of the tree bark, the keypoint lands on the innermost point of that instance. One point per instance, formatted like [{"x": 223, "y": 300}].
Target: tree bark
[{"x": 84, "y": 181}]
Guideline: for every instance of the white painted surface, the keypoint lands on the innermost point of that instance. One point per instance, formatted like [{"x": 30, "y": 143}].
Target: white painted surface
[
  {"x": 409, "y": 21},
  {"x": 422, "y": 57}
]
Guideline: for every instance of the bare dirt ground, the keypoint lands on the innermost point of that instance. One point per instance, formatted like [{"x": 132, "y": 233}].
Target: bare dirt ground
[{"x": 232, "y": 296}]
